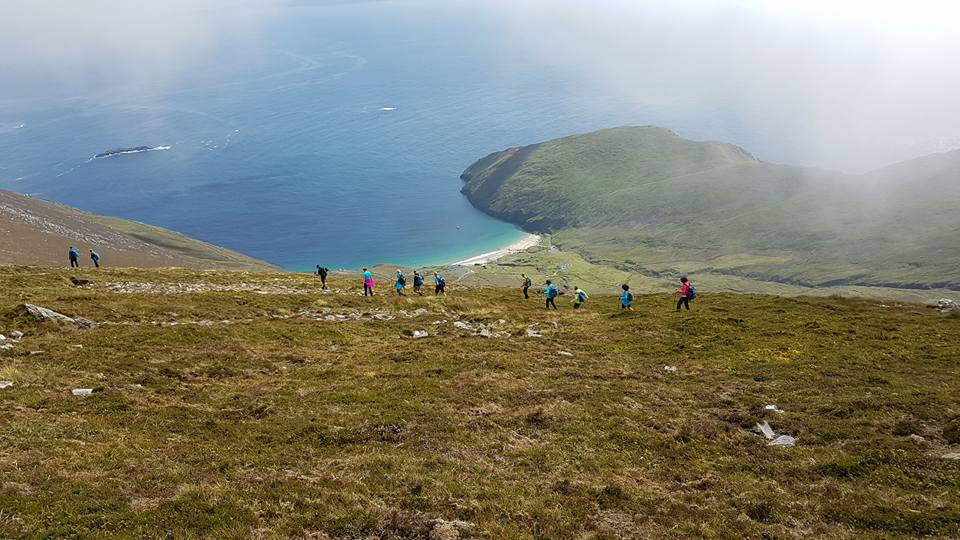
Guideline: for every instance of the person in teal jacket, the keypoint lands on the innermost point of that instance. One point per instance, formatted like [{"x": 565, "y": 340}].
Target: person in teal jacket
[
  {"x": 401, "y": 283},
  {"x": 368, "y": 282},
  {"x": 551, "y": 293},
  {"x": 95, "y": 257},
  {"x": 626, "y": 299}
]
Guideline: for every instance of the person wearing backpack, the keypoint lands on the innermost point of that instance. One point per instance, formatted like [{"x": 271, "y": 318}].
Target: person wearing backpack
[
  {"x": 95, "y": 257},
  {"x": 74, "y": 257},
  {"x": 626, "y": 299},
  {"x": 579, "y": 297},
  {"x": 322, "y": 272},
  {"x": 551, "y": 293},
  {"x": 401, "y": 283},
  {"x": 440, "y": 284},
  {"x": 527, "y": 283},
  {"x": 418, "y": 283},
  {"x": 686, "y": 293},
  {"x": 368, "y": 282}
]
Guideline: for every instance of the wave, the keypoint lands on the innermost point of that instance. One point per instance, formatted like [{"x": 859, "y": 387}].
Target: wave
[{"x": 131, "y": 150}]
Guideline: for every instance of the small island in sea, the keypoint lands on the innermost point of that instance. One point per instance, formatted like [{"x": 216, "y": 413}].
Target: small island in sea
[{"x": 129, "y": 150}]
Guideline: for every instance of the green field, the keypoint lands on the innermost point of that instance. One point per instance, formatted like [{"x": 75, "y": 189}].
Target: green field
[
  {"x": 647, "y": 201},
  {"x": 243, "y": 405}
]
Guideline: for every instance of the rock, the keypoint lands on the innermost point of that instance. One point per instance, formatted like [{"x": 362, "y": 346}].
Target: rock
[
  {"x": 75, "y": 346},
  {"x": 462, "y": 325},
  {"x": 6, "y": 346},
  {"x": 16, "y": 334},
  {"x": 917, "y": 439},
  {"x": 82, "y": 391},
  {"x": 35, "y": 353},
  {"x": 951, "y": 455},
  {"x": 3, "y": 337},
  {"x": 773, "y": 408},
  {"x": 785, "y": 441},
  {"x": 533, "y": 333},
  {"x": 44, "y": 314},
  {"x": 565, "y": 353},
  {"x": 766, "y": 430},
  {"x": 417, "y": 334},
  {"x": 5, "y": 384},
  {"x": 670, "y": 369},
  {"x": 946, "y": 304},
  {"x": 79, "y": 282}
]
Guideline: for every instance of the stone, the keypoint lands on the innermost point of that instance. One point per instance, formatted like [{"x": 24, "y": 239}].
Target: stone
[
  {"x": 44, "y": 314},
  {"x": 417, "y": 334},
  {"x": 16, "y": 334},
  {"x": 82, "y": 391},
  {"x": 5, "y": 384}
]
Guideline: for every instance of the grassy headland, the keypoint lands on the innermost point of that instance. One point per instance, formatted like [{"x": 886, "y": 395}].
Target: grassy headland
[{"x": 644, "y": 200}]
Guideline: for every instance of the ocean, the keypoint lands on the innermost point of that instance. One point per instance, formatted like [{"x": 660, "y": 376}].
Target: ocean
[{"x": 336, "y": 137}]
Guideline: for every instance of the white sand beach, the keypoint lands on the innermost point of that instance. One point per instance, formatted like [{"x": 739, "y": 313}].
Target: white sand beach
[{"x": 519, "y": 246}]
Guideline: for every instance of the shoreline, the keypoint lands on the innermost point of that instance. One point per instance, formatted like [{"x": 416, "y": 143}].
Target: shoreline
[{"x": 519, "y": 246}]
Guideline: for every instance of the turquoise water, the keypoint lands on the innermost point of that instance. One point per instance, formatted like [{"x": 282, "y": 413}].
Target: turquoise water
[{"x": 336, "y": 138}]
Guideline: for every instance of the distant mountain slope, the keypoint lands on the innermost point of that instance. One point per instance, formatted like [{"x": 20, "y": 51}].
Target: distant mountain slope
[
  {"x": 646, "y": 199},
  {"x": 36, "y": 232}
]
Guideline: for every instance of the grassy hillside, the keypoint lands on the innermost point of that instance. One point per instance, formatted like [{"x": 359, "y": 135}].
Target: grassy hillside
[
  {"x": 644, "y": 199},
  {"x": 37, "y": 232},
  {"x": 241, "y": 405}
]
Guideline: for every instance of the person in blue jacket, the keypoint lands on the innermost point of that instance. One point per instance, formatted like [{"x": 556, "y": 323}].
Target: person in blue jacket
[
  {"x": 74, "y": 257},
  {"x": 95, "y": 257},
  {"x": 368, "y": 282},
  {"x": 551, "y": 293},
  {"x": 401, "y": 282},
  {"x": 440, "y": 283},
  {"x": 626, "y": 299}
]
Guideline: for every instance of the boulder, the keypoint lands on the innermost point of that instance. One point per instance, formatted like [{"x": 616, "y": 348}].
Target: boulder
[{"x": 44, "y": 314}]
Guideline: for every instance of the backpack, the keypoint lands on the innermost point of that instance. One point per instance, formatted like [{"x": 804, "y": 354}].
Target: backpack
[
  {"x": 581, "y": 297},
  {"x": 629, "y": 296},
  {"x": 552, "y": 291},
  {"x": 691, "y": 292},
  {"x": 528, "y": 283},
  {"x": 401, "y": 279}
]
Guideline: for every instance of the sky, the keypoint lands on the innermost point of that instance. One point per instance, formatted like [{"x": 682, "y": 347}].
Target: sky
[{"x": 868, "y": 82}]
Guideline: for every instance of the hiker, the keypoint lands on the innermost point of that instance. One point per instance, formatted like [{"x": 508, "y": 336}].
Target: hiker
[
  {"x": 418, "y": 283},
  {"x": 551, "y": 293},
  {"x": 95, "y": 257},
  {"x": 322, "y": 272},
  {"x": 579, "y": 297},
  {"x": 368, "y": 282},
  {"x": 74, "y": 257},
  {"x": 527, "y": 283},
  {"x": 441, "y": 284},
  {"x": 686, "y": 293},
  {"x": 401, "y": 283},
  {"x": 626, "y": 299}
]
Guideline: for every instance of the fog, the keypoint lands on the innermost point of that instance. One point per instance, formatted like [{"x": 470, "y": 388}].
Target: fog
[
  {"x": 840, "y": 85},
  {"x": 850, "y": 85}
]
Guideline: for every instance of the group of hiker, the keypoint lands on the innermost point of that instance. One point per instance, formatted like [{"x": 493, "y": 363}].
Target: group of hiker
[
  {"x": 74, "y": 255},
  {"x": 685, "y": 293}
]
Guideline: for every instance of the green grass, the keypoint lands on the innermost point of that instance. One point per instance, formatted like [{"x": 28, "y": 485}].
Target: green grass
[
  {"x": 237, "y": 414},
  {"x": 646, "y": 200}
]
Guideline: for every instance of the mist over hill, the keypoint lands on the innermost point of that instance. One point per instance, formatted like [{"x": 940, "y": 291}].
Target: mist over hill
[{"x": 646, "y": 199}]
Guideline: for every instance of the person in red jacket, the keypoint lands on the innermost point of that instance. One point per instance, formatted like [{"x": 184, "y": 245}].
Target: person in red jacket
[{"x": 686, "y": 293}]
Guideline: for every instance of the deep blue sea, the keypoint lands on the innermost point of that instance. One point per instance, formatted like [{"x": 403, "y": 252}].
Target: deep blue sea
[{"x": 337, "y": 137}]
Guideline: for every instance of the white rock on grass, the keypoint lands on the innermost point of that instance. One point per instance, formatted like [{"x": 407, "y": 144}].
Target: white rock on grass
[
  {"x": 44, "y": 314},
  {"x": 565, "y": 353},
  {"x": 533, "y": 333},
  {"x": 6, "y": 346},
  {"x": 5, "y": 384},
  {"x": 16, "y": 334},
  {"x": 670, "y": 369},
  {"x": 417, "y": 334},
  {"x": 82, "y": 391},
  {"x": 951, "y": 455}
]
